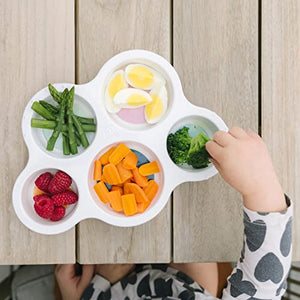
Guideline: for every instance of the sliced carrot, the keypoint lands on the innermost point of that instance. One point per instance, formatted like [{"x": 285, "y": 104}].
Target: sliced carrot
[
  {"x": 97, "y": 170},
  {"x": 118, "y": 154},
  {"x": 124, "y": 173},
  {"x": 130, "y": 160},
  {"x": 126, "y": 188},
  {"x": 104, "y": 157},
  {"x": 151, "y": 189},
  {"x": 115, "y": 200},
  {"x": 102, "y": 191},
  {"x": 149, "y": 168},
  {"x": 111, "y": 174},
  {"x": 139, "y": 194},
  {"x": 142, "y": 206},
  {"x": 37, "y": 191},
  {"x": 117, "y": 188},
  {"x": 129, "y": 204},
  {"x": 138, "y": 178}
]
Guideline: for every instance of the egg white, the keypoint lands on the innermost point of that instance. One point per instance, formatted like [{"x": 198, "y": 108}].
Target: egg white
[
  {"x": 158, "y": 79},
  {"x": 111, "y": 107}
]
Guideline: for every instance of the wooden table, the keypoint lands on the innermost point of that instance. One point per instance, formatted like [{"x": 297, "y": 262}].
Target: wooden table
[{"x": 240, "y": 59}]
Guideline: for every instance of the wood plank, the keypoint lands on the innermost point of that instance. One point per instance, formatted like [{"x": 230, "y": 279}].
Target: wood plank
[
  {"x": 215, "y": 54},
  {"x": 280, "y": 97},
  {"x": 105, "y": 28},
  {"x": 36, "y": 47}
]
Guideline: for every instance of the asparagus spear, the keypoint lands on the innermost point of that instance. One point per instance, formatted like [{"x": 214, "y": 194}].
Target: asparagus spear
[
  {"x": 82, "y": 135},
  {"x": 66, "y": 146},
  {"x": 58, "y": 98},
  {"x": 55, "y": 94},
  {"x": 42, "y": 111},
  {"x": 78, "y": 142},
  {"x": 54, "y": 110},
  {"x": 71, "y": 132},
  {"x": 58, "y": 128},
  {"x": 65, "y": 133},
  {"x": 48, "y": 124}
]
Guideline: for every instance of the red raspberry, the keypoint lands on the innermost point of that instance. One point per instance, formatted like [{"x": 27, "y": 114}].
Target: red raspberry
[
  {"x": 60, "y": 182},
  {"x": 42, "y": 182},
  {"x": 44, "y": 206},
  {"x": 64, "y": 198},
  {"x": 37, "y": 197},
  {"x": 58, "y": 213}
]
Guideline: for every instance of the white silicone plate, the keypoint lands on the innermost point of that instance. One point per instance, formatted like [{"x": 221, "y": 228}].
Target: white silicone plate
[{"x": 148, "y": 139}]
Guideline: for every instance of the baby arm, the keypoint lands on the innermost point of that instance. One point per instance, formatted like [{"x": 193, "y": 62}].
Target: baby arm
[{"x": 243, "y": 161}]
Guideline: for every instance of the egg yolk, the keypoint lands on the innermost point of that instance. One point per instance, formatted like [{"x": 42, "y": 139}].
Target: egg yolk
[
  {"x": 115, "y": 85},
  {"x": 141, "y": 77},
  {"x": 137, "y": 100},
  {"x": 155, "y": 108}
]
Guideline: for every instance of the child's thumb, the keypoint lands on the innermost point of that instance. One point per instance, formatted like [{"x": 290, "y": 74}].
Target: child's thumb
[
  {"x": 87, "y": 275},
  {"x": 215, "y": 163}
]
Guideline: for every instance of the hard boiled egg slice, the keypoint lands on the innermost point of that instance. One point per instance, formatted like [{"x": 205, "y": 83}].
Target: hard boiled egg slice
[
  {"x": 116, "y": 83},
  {"x": 157, "y": 108},
  {"x": 131, "y": 98},
  {"x": 143, "y": 77}
]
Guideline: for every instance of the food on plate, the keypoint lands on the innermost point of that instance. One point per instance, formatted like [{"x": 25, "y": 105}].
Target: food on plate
[
  {"x": 158, "y": 106},
  {"x": 63, "y": 121},
  {"x": 143, "y": 77},
  {"x": 116, "y": 83},
  {"x": 53, "y": 194},
  {"x": 121, "y": 183},
  {"x": 149, "y": 168},
  {"x": 136, "y": 87},
  {"x": 182, "y": 148},
  {"x": 131, "y": 98}
]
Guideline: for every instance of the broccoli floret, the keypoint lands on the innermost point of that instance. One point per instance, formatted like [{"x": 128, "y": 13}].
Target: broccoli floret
[
  {"x": 197, "y": 155},
  {"x": 178, "y": 145}
]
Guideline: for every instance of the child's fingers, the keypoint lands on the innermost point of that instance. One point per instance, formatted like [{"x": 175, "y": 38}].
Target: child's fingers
[
  {"x": 223, "y": 138},
  {"x": 215, "y": 163},
  {"x": 87, "y": 275},
  {"x": 214, "y": 149},
  {"x": 252, "y": 134},
  {"x": 237, "y": 132}
]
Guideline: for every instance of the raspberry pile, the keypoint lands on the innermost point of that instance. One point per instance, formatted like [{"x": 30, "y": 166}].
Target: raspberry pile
[{"x": 54, "y": 196}]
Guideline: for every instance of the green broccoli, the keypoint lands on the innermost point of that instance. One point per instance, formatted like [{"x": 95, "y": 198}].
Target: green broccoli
[
  {"x": 197, "y": 155},
  {"x": 178, "y": 145}
]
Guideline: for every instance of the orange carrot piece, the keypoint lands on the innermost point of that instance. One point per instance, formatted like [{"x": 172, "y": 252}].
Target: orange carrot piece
[
  {"x": 142, "y": 206},
  {"x": 151, "y": 189},
  {"x": 124, "y": 173},
  {"x": 111, "y": 174},
  {"x": 126, "y": 188},
  {"x": 37, "y": 191},
  {"x": 139, "y": 194},
  {"x": 117, "y": 188},
  {"x": 118, "y": 154},
  {"x": 149, "y": 168},
  {"x": 129, "y": 204},
  {"x": 97, "y": 170},
  {"x": 104, "y": 157},
  {"x": 115, "y": 200},
  {"x": 130, "y": 160},
  {"x": 102, "y": 191},
  {"x": 138, "y": 178}
]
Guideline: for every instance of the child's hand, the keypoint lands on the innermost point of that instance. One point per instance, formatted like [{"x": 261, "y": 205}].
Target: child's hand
[
  {"x": 114, "y": 272},
  {"x": 243, "y": 161},
  {"x": 72, "y": 286}
]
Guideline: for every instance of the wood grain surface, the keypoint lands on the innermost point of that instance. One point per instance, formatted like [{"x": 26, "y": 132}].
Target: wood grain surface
[
  {"x": 216, "y": 56},
  {"x": 280, "y": 97},
  {"x": 36, "y": 47},
  {"x": 105, "y": 28}
]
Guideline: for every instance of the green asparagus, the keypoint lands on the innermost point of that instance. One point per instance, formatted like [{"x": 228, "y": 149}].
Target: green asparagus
[
  {"x": 42, "y": 111},
  {"x": 47, "y": 124},
  {"x": 58, "y": 128},
  {"x": 71, "y": 132}
]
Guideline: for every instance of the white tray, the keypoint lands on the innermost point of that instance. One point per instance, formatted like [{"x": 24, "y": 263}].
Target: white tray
[{"x": 148, "y": 139}]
